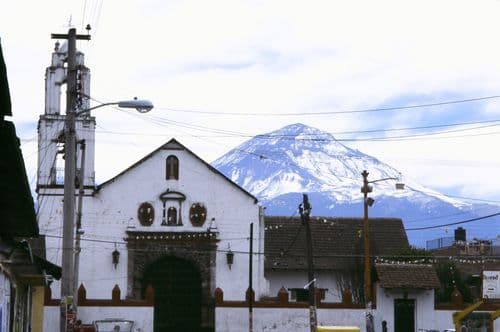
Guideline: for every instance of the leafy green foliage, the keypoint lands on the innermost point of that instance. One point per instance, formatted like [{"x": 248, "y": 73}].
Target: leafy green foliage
[
  {"x": 411, "y": 254},
  {"x": 451, "y": 278}
]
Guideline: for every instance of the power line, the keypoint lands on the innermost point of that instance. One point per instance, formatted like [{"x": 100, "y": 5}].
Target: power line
[
  {"x": 452, "y": 196},
  {"x": 273, "y": 136},
  {"x": 419, "y": 136},
  {"x": 454, "y": 223},
  {"x": 369, "y": 110},
  {"x": 424, "y": 136},
  {"x": 441, "y": 125}
]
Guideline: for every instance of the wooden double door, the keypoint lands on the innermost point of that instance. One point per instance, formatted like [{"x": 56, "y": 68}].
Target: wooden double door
[
  {"x": 404, "y": 315},
  {"x": 177, "y": 294}
]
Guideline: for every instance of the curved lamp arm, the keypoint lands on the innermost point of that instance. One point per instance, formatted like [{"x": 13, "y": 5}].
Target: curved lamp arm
[{"x": 141, "y": 105}]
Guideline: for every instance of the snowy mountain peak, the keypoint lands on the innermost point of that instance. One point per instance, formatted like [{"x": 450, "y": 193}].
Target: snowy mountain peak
[
  {"x": 299, "y": 136},
  {"x": 277, "y": 167},
  {"x": 297, "y": 129},
  {"x": 299, "y": 158}
]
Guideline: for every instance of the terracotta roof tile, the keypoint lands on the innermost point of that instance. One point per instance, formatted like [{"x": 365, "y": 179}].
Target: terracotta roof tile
[
  {"x": 420, "y": 276},
  {"x": 337, "y": 242}
]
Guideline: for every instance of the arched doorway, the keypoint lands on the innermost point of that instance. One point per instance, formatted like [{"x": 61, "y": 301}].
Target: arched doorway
[{"x": 177, "y": 294}]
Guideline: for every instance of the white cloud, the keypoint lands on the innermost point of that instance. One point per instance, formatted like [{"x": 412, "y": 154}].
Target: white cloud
[{"x": 273, "y": 57}]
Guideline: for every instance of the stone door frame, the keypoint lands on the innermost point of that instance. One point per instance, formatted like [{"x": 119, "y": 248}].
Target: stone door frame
[{"x": 145, "y": 248}]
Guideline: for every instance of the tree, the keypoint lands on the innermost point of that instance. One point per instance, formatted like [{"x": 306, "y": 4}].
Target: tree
[
  {"x": 412, "y": 254},
  {"x": 451, "y": 278},
  {"x": 351, "y": 279}
]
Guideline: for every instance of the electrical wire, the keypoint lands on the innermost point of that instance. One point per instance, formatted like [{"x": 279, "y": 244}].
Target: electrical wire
[
  {"x": 240, "y": 134},
  {"x": 273, "y": 136},
  {"x": 159, "y": 120},
  {"x": 369, "y": 110},
  {"x": 453, "y": 223},
  {"x": 421, "y": 136}
]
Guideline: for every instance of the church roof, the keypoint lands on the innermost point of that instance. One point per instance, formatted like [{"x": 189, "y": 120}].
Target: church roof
[
  {"x": 416, "y": 276},
  {"x": 173, "y": 144},
  {"x": 337, "y": 242}
]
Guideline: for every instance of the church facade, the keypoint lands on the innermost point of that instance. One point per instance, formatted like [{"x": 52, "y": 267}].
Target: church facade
[{"x": 170, "y": 221}]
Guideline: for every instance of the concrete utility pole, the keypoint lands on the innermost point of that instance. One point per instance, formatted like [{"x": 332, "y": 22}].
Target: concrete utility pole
[
  {"x": 305, "y": 210},
  {"x": 67, "y": 279},
  {"x": 81, "y": 192},
  {"x": 250, "y": 283}
]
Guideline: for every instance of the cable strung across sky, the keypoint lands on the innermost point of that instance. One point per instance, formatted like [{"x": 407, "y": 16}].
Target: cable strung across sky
[{"x": 369, "y": 110}]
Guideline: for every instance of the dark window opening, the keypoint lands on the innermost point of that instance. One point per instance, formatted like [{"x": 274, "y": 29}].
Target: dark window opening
[
  {"x": 302, "y": 295},
  {"x": 172, "y": 216},
  {"x": 172, "y": 168}
]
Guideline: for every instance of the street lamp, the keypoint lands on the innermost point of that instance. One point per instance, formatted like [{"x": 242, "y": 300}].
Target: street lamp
[
  {"x": 368, "y": 201},
  {"x": 68, "y": 261},
  {"x": 140, "y": 105}
]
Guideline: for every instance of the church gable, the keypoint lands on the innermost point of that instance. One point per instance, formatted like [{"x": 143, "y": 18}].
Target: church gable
[
  {"x": 171, "y": 188},
  {"x": 172, "y": 166}
]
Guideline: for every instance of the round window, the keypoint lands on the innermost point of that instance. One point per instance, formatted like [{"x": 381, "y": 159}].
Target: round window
[
  {"x": 198, "y": 214},
  {"x": 146, "y": 214}
]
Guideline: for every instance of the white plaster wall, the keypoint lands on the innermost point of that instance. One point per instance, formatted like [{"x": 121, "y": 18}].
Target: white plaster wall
[
  {"x": 289, "y": 319},
  {"x": 113, "y": 210},
  {"x": 265, "y": 319},
  {"x": 443, "y": 319},
  {"x": 424, "y": 307},
  {"x": 284, "y": 320},
  {"x": 50, "y": 224},
  {"x": 298, "y": 279},
  {"x": 142, "y": 316},
  {"x": 51, "y": 319},
  {"x": 425, "y": 315}
]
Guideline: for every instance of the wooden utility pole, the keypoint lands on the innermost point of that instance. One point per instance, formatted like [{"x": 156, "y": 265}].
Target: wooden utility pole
[
  {"x": 305, "y": 210},
  {"x": 368, "y": 201},
  {"x": 366, "y": 236},
  {"x": 68, "y": 277}
]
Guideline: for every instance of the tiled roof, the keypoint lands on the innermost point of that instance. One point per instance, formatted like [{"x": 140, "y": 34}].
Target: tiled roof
[
  {"x": 337, "y": 242},
  {"x": 418, "y": 276}
]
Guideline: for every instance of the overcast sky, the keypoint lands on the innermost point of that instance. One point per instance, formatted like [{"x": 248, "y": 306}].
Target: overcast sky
[{"x": 260, "y": 59}]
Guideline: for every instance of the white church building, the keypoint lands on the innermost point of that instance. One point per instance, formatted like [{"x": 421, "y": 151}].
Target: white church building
[{"x": 167, "y": 221}]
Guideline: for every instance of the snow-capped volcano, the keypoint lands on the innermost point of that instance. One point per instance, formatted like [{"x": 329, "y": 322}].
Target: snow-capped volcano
[
  {"x": 279, "y": 166},
  {"x": 302, "y": 159}
]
